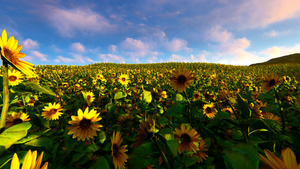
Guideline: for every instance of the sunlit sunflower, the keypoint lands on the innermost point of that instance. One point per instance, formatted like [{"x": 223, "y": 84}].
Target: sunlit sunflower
[
  {"x": 52, "y": 111},
  {"x": 209, "y": 110},
  {"x": 16, "y": 118},
  {"x": 270, "y": 82},
  {"x": 89, "y": 97},
  {"x": 287, "y": 161},
  {"x": 187, "y": 139},
  {"x": 83, "y": 126},
  {"x": 29, "y": 162},
  {"x": 10, "y": 52},
  {"x": 117, "y": 151},
  {"x": 14, "y": 77},
  {"x": 124, "y": 79},
  {"x": 200, "y": 154},
  {"x": 181, "y": 79}
]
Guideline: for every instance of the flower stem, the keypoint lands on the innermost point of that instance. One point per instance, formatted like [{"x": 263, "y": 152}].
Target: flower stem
[
  {"x": 162, "y": 153},
  {"x": 281, "y": 113},
  {"x": 5, "y": 95},
  {"x": 189, "y": 108}
]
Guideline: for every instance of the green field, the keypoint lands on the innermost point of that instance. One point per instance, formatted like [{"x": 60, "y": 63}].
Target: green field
[{"x": 169, "y": 115}]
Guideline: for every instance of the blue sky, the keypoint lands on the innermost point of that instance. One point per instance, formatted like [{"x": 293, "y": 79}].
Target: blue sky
[{"x": 73, "y": 32}]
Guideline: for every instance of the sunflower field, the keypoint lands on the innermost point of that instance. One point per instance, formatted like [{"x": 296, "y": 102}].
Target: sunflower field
[{"x": 144, "y": 116}]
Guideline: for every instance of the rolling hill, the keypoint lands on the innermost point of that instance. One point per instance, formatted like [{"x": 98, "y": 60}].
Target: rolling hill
[{"x": 288, "y": 59}]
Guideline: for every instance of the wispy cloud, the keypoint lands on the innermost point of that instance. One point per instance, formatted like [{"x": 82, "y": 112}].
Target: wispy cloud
[
  {"x": 77, "y": 58},
  {"x": 78, "y": 47},
  {"x": 77, "y": 20},
  {"x": 29, "y": 44},
  {"x": 277, "y": 51},
  {"x": 111, "y": 58},
  {"x": 175, "y": 44}
]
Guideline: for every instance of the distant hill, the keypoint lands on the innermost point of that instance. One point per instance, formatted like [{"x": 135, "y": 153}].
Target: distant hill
[{"x": 288, "y": 59}]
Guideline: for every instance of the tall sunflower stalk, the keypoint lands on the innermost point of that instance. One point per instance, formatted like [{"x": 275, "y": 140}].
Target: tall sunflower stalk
[
  {"x": 5, "y": 94},
  {"x": 10, "y": 54}
]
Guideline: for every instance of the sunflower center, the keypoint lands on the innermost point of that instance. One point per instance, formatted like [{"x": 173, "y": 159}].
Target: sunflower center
[
  {"x": 85, "y": 123},
  {"x": 123, "y": 79},
  {"x": 208, "y": 110},
  {"x": 186, "y": 138},
  {"x": 272, "y": 82},
  {"x": 12, "y": 78},
  {"x": 115, "y": 150},
  {"x": 52, "y": 111},
  {"x": 89, "y": 97},
  {"x": 9, "y": 55},
  {"x": 17, "y": 121},
  {"x": 181, "y": 79}
]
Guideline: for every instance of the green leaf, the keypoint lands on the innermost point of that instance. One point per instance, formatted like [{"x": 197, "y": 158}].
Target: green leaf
[
  {"x": 41, "y": 142},
  {"x": 243, "y": 106},
  {"x": 102, "y": 137},
  {"x": 140, "y": 156},
  {"x": 120, "y": 95},
  {"x": 242, "y": 156},
  {"x": 11, "y": 135},
  {"x": 35, "y": 87},
  {"x": 101, "y": 163},
  {"x": 32, "y": 136},
  {"x": 173, "y": 145},
  {"x": 147, "y": 96},
  {"x": 179, "y": 97}
]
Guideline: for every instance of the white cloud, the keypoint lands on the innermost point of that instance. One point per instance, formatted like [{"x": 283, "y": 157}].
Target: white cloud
[
  {"x": 76, "y": 58},
  {"x": 277, "y": 51},
  {"x": 176, "y": 44},
  {"x": 30, "y": 44},
  {"x": 69, "y": 21},
  {"x": 231, "y": 50},
  {"x": 64, "y": 59},
  {"x": 201, "y": 57},
  {"x": 38, "y": 55},
  {"x": 218, "y": 34},
  {"x": 272, "y": 33},
  {"x": 111, "y": 58},
  {"x": 134, "y": 44},
  {"x": 256, "y": 13},
  {"x": 113, "y": 48},
  {"x": 78, "y": 47}
]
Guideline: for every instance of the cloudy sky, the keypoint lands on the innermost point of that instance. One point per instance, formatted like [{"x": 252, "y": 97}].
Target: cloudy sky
[{"x": 77, "y": 32}]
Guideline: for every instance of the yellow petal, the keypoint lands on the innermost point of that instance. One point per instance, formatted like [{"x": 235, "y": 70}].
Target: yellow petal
[
  {"x": 33, "y": 158},
  {"x": 277, "y": 162},
  {"x": 27, "y": 161},
  {"x": 289, "y": 158},
  {"x": 4, "y": 37},
  {"x": 45, "y": 166},
  {"x": 39, "y": 161},
  {"x": 15, "y": 164}
]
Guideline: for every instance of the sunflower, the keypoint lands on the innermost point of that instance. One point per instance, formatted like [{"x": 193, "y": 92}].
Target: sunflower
[
  {"x": 52, "y": 111},
  {"x": 287, "y": 161},
  {"x": 270, "y": 82},
  {"x": 145, "y": 132},
  {"x": 14, "y": 77},
  {"x": 30, "y": 161},
  {"x": 16, "y": 118},
  {"x": 83, "y": 126},
  {"x": 187, "y": 139},
  {"x": 196, "y": 96},
  {"x": 229, "y": 110},
  {"x": 200, "y": 154},
  {"x": 125, "y": 120},
  {"x": 10, "y": 52},
  {"x": 124, "y": 79},
  {"x": 89, "y": 97},
  {"x": 209, "y": 110},
  {"x": 181, "y": 79},
  {"x": 117, "y": 151}
]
